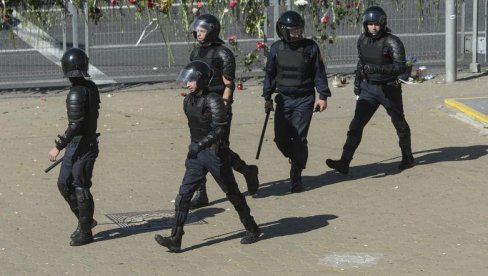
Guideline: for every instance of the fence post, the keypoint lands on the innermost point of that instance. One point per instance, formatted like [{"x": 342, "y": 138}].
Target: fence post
[
  {"x": 74, "y": 23},
  {"x": 463, "y": 29},
  {"x": 87, "y": 32},
  {"x": 474, "y": 67},
  {"x": 451, "y": 60},
  {"x": 486, "y": 30},
  {"x": 63, "y": 28},
  {"x": 276, "y": 15}
]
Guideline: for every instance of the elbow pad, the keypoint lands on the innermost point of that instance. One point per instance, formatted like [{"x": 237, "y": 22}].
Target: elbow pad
[{"x": 231, "y": 86}]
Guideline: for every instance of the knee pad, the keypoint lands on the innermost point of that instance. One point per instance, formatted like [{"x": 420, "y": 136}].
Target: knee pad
[
  {"x": 181, "y": 205},
  {"x": 64, "y": 190},
  {"x": 70, "y": 197},
  {"x": 83, "y": 195}
]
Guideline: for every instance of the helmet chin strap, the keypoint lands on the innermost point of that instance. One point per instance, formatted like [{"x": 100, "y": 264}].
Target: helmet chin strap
[{"x": 205, "y": 43}]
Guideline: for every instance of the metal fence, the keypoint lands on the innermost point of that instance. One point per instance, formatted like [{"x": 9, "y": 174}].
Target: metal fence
[{"x": 124, "y": 49}]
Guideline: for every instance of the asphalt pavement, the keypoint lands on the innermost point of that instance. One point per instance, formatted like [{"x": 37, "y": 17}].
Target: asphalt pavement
[{"x": 431, "y": 219}]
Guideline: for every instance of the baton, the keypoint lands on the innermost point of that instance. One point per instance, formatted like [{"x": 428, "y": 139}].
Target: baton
[
  {"x": 54, "y": 164},
  {"x": 262, "y": 134}
]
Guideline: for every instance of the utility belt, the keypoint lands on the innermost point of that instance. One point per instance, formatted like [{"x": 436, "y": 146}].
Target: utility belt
[
  {"x": 393, "y": 82},
  {"x": 86, "y": 138},
  {"x": 296, "y": 96}
]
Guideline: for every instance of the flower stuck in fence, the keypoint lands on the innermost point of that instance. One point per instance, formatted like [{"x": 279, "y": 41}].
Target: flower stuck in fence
[{"x": 260, "y": 45}]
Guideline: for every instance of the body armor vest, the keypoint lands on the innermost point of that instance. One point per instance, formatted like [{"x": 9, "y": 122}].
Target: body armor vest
[
  {"x": 198, "y": 117},
  {"x": 294, "y": 67},
  {"x": 92, "y": 105},
  {"x": 209, "y": 56},
  {"x": 375, "y": 53}
]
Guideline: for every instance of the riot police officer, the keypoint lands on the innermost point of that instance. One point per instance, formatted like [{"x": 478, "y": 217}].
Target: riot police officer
[
  {"x": 208, "y": 152},
  {"x": 81, "y": 144},
  {"x": 210, "y": 49},
  {"x": 294, "y": 69},
  {"x": 381, "y": 61}
]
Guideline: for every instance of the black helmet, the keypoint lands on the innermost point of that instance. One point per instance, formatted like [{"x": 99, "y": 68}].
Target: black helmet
[
  {"x": 75, "y": 63},
  {"x": 289, "y": 21},
  {"x": 374, "y": 14},
  {"x": 209, "y": 23},
  {"x": 196, "y": 71}
]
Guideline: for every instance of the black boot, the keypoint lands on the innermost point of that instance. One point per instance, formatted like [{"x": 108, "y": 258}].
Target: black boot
[
  {"x": 82, "y": 238},
  {"x": 77, "y": 231},
  {"x": 173, "y": 242},
  {"x": 296, "y": 179},
  {"x": 200, "y": 199},
  {"x": 340, "y": 165},
  {"x": 86, "y": 208},
  {"x": 407, "y": 158},
  {"x": 252, "y": 231},
  {"x": 250, "y": 172}
]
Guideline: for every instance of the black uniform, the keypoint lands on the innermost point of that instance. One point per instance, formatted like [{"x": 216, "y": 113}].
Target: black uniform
[
  {"x": 207, "y": 120},
  {"x": 381, "y": 61},
  {"x": 294, "y": 71},
  {"x": 222, "y": 62},
  {"x": 80, "y": 141}
]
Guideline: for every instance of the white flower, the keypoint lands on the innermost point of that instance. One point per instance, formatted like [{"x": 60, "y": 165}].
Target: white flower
[
  {"x": 226, "y": 10},
  {"x": 300, "y": 3},
  {"x": 194, "y": 10}
]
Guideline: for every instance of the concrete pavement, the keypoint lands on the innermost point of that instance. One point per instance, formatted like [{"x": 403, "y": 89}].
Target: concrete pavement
[{"x": 431, "y": 219}]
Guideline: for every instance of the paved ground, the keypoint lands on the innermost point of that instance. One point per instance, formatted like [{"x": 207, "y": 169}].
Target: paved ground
[{"x": 428, "y": 220}]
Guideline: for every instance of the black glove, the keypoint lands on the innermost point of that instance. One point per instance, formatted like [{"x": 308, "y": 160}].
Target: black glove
[
  {"x": 193, "y": 150},
  {"x": 357, "y": 90},
  {"x": 268, "y": 106}
]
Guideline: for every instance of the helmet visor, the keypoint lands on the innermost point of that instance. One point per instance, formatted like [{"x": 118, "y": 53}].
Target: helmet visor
[
  {"x": 187, "y": 75},
  {"x": 200, "y": 24},
  {"x": 373, "y": 16},
  {"x": 295, "y": 33}
]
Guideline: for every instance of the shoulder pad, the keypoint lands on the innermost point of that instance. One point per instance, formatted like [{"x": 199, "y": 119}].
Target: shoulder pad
[{"x": 75, "y": 103}]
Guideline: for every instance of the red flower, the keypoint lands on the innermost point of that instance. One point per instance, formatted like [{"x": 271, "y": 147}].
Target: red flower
[
  {"x": 325, "y": 19},
  {"x": 232, "y": 3},
  {"x": 338, "y": 2},
  {"x": 133, "y": 2},
  {"x": 113, "y": 2},
  {"x": 199, "y": 4},
  {"x": 183, "y": 94},
  {"x": 150, "y": 4},
  {"x": 232, "y": 38},
  {"x": 260, "y": 45}
]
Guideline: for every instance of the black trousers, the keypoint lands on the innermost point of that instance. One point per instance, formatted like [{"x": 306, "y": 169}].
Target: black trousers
[
  {"x": 293, "y": 116},
  {"x": 372, "y": 96},
  {"x": 74, "y": 181},
  {"x": 218, "y": 164}
]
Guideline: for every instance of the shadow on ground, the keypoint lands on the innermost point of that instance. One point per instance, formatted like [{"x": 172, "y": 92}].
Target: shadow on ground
[
  {"x": 374, "y": 170},
  {"x": 282, "y": 227}
]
